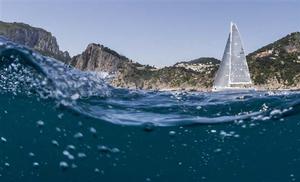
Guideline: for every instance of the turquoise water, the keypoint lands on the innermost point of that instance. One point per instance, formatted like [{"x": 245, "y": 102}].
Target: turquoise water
[{"x": 60, "y": 124}]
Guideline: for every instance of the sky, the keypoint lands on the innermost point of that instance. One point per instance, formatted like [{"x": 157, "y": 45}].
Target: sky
[{"x": 157, "y": 32}]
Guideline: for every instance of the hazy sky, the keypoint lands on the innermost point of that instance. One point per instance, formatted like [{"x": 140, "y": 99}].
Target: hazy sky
[{"x": 157, "y": 32}]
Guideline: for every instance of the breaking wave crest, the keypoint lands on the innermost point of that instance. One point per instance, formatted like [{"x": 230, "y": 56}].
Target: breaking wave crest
[{"x": 25, "y": 72}]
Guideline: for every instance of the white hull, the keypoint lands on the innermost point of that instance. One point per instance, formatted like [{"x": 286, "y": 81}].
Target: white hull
[{"x": 232, "y": 89}]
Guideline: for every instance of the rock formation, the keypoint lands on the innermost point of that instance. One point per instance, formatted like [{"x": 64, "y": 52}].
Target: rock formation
[
  {"x": 36, "y": 38},
  {"x": 275, "y": 66}
]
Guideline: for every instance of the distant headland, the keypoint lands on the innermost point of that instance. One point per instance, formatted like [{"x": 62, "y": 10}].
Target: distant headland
[{"x": 274, "y": 66}]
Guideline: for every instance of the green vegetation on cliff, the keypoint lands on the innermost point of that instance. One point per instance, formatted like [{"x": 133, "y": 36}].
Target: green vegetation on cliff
[
  {"x": 277, "y": 62},
  {"x": 164, "y": 78},
  {"x": 274, "y": 66}
]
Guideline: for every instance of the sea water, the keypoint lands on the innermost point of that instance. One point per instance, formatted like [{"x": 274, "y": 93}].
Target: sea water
[{"x": 60, "y": 124}]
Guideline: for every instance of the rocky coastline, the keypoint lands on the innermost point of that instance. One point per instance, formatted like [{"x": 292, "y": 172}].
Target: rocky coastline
[{"x": 273, "y": 67}]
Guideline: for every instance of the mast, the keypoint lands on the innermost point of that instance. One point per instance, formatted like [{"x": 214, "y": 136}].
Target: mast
[{"x": 230, "y": 53}]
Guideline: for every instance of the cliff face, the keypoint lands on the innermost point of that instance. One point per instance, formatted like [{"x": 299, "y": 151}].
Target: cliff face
[
  {"x": 96, "y": 57},
  {"x": 167, "y": 78},
  {"x": 36, "y": 38},
  {"x": 129, "y": 74},
  {"x": 277, "y": 65}
]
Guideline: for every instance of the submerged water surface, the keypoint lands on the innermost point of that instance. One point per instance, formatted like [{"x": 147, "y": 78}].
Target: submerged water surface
[{"x": 60, "y": 124}]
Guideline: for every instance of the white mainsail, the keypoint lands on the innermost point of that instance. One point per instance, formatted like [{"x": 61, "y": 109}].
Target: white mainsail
[{"x": 233, "y": 72}]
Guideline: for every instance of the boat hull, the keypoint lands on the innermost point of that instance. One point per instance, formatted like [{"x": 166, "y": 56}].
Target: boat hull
[{"x": 232, "y": 89}]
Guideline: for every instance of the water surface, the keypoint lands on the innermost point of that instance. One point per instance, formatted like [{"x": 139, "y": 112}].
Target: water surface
[{"x": 61, "y": 124}]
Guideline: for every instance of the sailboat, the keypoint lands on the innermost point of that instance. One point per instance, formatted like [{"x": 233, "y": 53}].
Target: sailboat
[{"x": 233, "y": 73}]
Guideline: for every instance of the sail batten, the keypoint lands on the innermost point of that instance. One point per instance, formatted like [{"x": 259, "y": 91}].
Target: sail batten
[{"x": 233, "y": 69}]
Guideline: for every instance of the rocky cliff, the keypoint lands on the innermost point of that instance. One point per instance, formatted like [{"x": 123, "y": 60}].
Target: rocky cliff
[
  {"x": 196, "y": 74},
  {"x": 130, "y": 74},
  {"x": 277, "y": 65},
  {"x": 274, "y": 66},
  {"x": 36, "y": 38},
  {"x": 96, "y": 57},
  {"x": 167, "y": 78}
]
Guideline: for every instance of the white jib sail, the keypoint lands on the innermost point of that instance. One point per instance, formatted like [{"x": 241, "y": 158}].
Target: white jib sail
[{"x": 222, "y": 76}]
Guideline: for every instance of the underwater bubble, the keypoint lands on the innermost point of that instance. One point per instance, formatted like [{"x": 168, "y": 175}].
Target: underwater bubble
[
  {"x": 224, "y": 134},
  {"x": 172, "y": 133},
  {"x": 78, "y": 135},
  {"x": 115, "y": 150},
  {"x": 264, "y": 107},
  {"x": 213, "y": 131},
  {"x": 96, "y": 170},
  {"x": 239, "y": 122},
  {"x": 63, "y": 165},
  {"x": 58, "y": 129},
  {"x": 148, "y": 126},
  {"x": 236, "y": 135},
  {"x": 93, "y": 130},
  {"x": 72, "y": 147},
  {"x": 55, "y": 143},
  {"x": 40, "y": 123},
  {"x": 31, "y": 154},
  {"x": 73, "y": 166},
  {"x": 81, "y": 155},
  {"x": 103, "y": 149},
  {"x": 65, "y": 152},
  {"x": 60, "y": 116},
  {"x": 80, "y": 123},
  {"x": 35, "y": 164},
  {"x": 184, "y": 145},
  {"x": 68, "y": 154},
  {"x": 3, "y": 140},
  {"x": 217, "y": 150}
]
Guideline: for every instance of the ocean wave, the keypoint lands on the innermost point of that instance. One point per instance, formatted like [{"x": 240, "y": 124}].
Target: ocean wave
[
  {"x": 26, "y": 72},
  {"x": 23, "y": 70}
]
